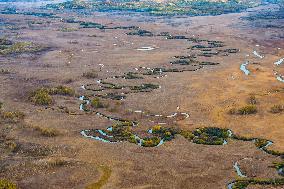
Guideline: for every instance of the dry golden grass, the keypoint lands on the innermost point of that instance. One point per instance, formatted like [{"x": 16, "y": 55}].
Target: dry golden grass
[{"x": 106, "y": 173}]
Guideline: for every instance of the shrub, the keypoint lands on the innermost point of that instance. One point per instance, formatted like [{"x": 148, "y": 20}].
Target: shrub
[
  {"x": 277, "y": 109},
  {"x": 96, "y": 103},
  {"x": 252, "y": 100},
  {"x": 91, "y": 74},
  {"x": 5, "y": 184},
  {"x": 248, "y": 109},
  {"x": 41, "y": 97}
]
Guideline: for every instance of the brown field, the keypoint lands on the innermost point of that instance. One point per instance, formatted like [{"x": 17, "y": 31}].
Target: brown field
[{"x": 45, "y": 149}]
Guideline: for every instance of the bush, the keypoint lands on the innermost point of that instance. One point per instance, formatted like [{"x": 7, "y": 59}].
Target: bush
[
  {"x": 5, "y": 184},
  {"x": 277, "y": 109},
  {"x": 91, "y": 74}
]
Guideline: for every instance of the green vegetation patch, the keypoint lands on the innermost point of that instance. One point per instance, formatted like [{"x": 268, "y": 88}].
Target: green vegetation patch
[
  {"x": 210, "y": 135},
  {"x": 150, "y": 141},
  {"x": 244, "y": 183},
  {"x": 8, "y": 47},
  {"x": 42, "y": 96},
  {"x": 180, "y": 7},
  {"x": 166, "y": 133}
]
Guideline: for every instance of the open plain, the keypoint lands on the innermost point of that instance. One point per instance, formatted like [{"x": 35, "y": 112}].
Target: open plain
[{"x": 110, "y": 99}]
